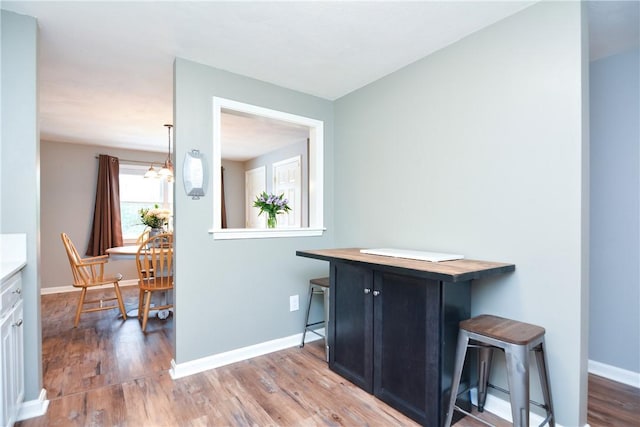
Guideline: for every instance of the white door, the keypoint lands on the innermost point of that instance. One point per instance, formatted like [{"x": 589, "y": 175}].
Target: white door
[
  {"x": 255, "y": 182},
  {"x": 286, "y": 180}
]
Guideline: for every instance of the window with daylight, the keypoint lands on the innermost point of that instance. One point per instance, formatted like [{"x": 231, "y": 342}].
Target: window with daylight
[{"x": 138, "y": 192}]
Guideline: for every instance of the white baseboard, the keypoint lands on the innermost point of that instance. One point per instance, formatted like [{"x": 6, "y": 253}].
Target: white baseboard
[
  {"x": 615, "y": 374},
  {"x": 179, "y": 370},
  {"x": 63, "y": 289},
  {"x": 34, "y": 408},
  {"x": 502, "y": 409}
]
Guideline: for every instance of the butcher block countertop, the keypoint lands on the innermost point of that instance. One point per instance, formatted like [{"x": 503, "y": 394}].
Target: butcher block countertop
[{"x": 447, "y": 271}]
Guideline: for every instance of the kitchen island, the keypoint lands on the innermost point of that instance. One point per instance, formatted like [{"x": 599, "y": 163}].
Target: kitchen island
[{"x": 393, "y": 325}]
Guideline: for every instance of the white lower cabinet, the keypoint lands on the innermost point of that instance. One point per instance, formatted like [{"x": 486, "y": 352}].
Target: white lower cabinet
[{"x": 11, "y": 350}]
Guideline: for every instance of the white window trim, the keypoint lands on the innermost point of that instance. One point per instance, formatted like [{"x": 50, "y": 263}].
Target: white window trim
[
  {"x": 316, "y": 178},
  {"x": 264, "y": 233}
]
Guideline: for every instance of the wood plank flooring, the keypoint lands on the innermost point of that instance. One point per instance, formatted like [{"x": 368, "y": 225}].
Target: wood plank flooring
[
  {"x": 108, "y": 373},
  {"x": 612, "y": 404}
]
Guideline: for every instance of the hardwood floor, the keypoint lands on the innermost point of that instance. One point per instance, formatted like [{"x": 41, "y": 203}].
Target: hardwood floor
[
  {"x": 612, "y": 404},
  {"x": 108, "y": 373}
]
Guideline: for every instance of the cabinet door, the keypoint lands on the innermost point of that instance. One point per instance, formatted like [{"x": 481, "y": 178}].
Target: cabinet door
[
  {"x": 407, "y": 345},
  {"x": 11, "y": 365},
  {"x": 351, "y": 315},
  {"x": 17, "y": 331},
  {"x": 6, "y": 370}
]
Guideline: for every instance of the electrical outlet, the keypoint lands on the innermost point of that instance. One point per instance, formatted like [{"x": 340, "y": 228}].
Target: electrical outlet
[{"x": 294, "y": 303}]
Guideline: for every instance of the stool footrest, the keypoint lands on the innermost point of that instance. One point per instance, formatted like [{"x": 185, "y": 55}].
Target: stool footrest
[
  {"x": 308, "y": 325},
  {"x": 546, "y": 420},
  {"x": 459, "y": 409},
  {"x": 533, "y": 402},
  {"x": 313, "y": 331}
]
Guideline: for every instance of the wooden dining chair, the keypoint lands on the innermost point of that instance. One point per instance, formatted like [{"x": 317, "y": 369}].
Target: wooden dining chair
[
  {"x": 154, "y": 255},
  {"x": 87, "y": 273},
  {"x": 143, "y": 236}
]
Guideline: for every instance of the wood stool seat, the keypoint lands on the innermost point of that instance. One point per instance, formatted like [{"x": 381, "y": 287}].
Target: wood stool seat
[
  {"x": 502, "y": 329},
  {"x": 517, "y": 339},
  {"x": 321, "y": 281},
  {"x": 318, "y": 286}
]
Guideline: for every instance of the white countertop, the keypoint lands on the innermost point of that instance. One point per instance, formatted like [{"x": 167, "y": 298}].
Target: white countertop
[
  {"x": 7, "y": 269},
  {"x": 13, "y": 253}
]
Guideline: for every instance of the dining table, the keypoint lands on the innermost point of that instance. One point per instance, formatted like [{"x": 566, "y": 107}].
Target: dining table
[
  {"x": 129, "y": 252},
  {"x": 123, "y": 252}
]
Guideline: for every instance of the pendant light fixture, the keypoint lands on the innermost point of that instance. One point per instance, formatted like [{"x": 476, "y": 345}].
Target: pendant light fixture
[
  {"x": 167, "y": 169},
  {"x": 151, "y": 173}
]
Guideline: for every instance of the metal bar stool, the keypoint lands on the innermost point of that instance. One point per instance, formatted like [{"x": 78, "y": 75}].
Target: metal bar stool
[
  {"x": 319, "y": 286},
  {"x": 516, "y": 339}
]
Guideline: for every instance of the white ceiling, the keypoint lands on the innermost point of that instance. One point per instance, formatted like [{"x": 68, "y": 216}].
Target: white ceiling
[
  {"x": 245, "y": 136},
  {"x": 105, "y": 68}
]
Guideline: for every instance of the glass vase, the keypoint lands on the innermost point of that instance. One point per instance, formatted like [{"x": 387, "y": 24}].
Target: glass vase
[
  {"x": 154, "y": 232},
  {"x": 272, "y": 222}
]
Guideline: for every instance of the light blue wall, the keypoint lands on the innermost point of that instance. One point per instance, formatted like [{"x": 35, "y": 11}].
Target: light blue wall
[
  {"x": 478, "y": 149},
  {"x": 235, "y": 293},
  {"x": 19, "y": 174},
  {"x": 614, "y": 337}
]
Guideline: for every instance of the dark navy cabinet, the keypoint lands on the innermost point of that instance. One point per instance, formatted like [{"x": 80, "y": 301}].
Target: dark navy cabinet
[{"x": 393, "y": 327}]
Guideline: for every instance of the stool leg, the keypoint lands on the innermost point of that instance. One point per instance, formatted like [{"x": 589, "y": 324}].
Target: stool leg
[
  {"x": 517, "y": 357},
  {"x": 306, "y": 322},
  {"x": 543, "y": 371},
  {"x": 461, "y": 353},
  {"x": 326, "y": 322},
  {"x": 484, "y": 370}
]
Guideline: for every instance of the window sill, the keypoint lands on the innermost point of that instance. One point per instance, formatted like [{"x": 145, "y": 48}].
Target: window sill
[{"x": 253, "y": 233}]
